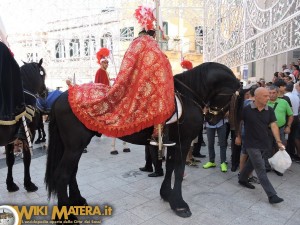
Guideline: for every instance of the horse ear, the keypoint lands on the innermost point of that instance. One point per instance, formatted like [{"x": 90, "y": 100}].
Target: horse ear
[
  {"x": 41, "y": 62},
  {"x": 24, "y": 62}
]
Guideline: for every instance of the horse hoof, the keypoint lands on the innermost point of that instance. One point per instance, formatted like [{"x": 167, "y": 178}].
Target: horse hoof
[
  {"x": 38, "y": 141},
  {"x": 80, "y": 202},
  {"x": 183, "y": 212},
  {"x": 12, "y": 187},
  {"x": 30, "y": 187}
]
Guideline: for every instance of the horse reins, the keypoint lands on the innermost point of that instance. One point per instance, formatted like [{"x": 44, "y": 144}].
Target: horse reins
[
  {"x": 207, "y": 105},
  {"x": 30, "y": 93}
]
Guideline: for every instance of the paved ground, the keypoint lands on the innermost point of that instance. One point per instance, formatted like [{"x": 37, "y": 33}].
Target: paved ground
[{"x": 214, "y": 197}]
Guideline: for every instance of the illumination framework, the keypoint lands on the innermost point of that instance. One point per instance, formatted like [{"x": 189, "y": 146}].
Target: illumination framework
[{"x": 240, "y": 32}]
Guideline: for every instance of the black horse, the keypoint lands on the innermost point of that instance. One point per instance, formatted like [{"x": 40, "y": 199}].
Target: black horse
[
  {"x": 209, "y": 85},
  {"x": 33, "y": 79}
]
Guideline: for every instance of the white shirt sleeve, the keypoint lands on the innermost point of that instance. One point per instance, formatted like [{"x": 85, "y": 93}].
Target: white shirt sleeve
[{"x": 3, "y": 34}]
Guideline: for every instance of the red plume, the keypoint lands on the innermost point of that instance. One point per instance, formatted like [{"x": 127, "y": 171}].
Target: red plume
[
  {"x": 102, "y": 53},
  {"x": 145, "y": 17},
  {"x": 185, "y": 64}
]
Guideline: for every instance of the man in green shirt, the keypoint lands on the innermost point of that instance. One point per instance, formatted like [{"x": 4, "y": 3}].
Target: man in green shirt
[
  {"x": 283, "y": 112},
  {"x": 284, "y": 117}
]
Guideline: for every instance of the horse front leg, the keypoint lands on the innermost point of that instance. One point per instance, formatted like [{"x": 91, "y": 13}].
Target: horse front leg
[
  {"x": 75, "y": 196},
  {"x": 166, "y": 187},
  {"x": 10, "y": 161},
  {"x": 29, "y": 186},
  {"x": 179, "y": 206}
]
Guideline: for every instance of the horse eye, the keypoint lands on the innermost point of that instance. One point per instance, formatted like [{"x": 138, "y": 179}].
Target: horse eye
[{"x": 42, "y": 73}]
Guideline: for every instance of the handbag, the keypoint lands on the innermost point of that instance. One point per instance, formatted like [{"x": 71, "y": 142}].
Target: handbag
[{"x": 280, "y": 161}]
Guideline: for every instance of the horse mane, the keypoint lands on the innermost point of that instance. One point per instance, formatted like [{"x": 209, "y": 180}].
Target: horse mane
[{"x": 204, "y": 74}]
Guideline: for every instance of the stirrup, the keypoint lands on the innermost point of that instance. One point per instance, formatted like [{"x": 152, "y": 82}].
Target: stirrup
[
  {"x": 153, "y": 142},
  {"x": 168, "y": 143}
]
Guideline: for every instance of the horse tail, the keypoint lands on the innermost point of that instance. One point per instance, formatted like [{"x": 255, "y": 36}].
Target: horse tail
[{"x": 55, "y": 153}]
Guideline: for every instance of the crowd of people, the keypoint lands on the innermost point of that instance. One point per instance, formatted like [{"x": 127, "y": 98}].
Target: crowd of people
[{"x": 270, "y": 122}]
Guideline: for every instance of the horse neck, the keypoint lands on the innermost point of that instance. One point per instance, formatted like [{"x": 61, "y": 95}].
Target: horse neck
[{"x": 194, "y": 82}]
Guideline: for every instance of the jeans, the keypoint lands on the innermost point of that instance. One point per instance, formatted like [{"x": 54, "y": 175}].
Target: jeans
[
  {"x": 256, "y": 162},
  {"x": 211, "y": 142}
]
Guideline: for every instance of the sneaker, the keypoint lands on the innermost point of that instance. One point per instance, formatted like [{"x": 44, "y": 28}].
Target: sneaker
[
  {"x": 126, "y": 150},
  {"x": 115, "y": 152},
  {"x": 198, "y": 155},
  {"x": 278, "y": 173},
  {"x": 253, "y": 179},
  {"x": 223, "y": 167},
  {"x": 246, "y": 184},
  {"x": 209, "y": 165},
  {"x": 146, "y": 169},
  {"x": 156, "y": 174},
  {"x": 275, "y": 199}
]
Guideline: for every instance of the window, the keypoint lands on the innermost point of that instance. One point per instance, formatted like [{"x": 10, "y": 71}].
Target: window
[
  {"x": 31, "y": 57},
  {"x": 89, "y": 46},
  {"x": 199, "y": 31},
  {"x": 165, "y": 28},
  {"x": 199, "y": 39},
  {"x": 164, "y": 43},
  {"x": 106, "y": 41},
  {"x": 74, "y": 47},
  {"x": 127, "y": 34},
  {"x": 60, "y": 50}
]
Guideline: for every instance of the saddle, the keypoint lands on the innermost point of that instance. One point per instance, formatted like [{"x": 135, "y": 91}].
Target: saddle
[
  {"x": 142, "y": 95},
  {"x": 44, "y": 105}
]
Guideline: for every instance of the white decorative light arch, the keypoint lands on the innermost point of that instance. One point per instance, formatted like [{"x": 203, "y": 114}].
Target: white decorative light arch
[{"x": 241, "y": 32}]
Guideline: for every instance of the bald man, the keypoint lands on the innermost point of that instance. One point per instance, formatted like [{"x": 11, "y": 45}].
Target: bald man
[{"x": 259, "y": 121}]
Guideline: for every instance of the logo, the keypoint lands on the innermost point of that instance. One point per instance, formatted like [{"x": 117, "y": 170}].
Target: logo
[{"x": 8, "y": 215}]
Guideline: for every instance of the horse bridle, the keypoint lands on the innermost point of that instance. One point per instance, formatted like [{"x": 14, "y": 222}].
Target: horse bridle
[
  {"x": 212, "y": 110},
  {"x": 37, "y": 95}
]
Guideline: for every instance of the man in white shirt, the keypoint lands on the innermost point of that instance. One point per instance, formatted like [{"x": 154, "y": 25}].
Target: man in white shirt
[
  {"x": 3, "y": 34},
  {"x": 290, "y": 148}
]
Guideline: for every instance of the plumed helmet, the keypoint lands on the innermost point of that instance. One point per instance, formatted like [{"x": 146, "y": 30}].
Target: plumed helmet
[
  {"x": 186, "y": 64},
  {"x": 145, "y": 17},
  {"x": 102, "y": 55}
]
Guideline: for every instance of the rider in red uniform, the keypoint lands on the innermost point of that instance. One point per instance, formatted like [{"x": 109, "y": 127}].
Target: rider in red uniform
[{"x": 102, "y": 75}]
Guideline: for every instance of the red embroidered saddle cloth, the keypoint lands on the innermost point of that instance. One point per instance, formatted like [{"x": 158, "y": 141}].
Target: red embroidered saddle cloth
[{"x": 142, "y": 95}]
